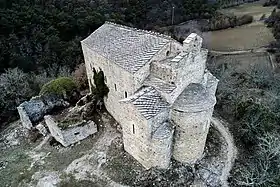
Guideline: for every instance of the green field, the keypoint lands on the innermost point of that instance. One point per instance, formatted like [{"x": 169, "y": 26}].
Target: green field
[
  {"x": 251, "y": 36},
  {"x": 254, "y": 9}
]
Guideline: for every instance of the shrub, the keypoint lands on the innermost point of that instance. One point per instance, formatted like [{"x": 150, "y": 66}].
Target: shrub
[
  {"x": 15, "y": 87},
  {"x": 101, "y": 88},
  {"x": 263, "y": 17},
  {"x": 221, "y": 21},
  {"x": 245, "y": 19},
  {"x": 63, "y": 86},
  {"x": 80, "y": 77}
]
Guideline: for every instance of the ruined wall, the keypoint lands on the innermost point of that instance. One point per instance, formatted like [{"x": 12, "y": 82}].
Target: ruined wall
[
  {"x": 163, "y": 71},
  {"x": 71, "y": 134},
  {"x": 170, "y": 49}
]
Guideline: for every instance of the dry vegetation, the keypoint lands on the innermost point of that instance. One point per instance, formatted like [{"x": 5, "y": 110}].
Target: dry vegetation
[{"x": 242, "y": 61}]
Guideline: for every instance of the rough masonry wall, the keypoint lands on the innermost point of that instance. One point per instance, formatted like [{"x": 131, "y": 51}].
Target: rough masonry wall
[
  {"x": 161, "y": 139},
  {"x": 161, "y": 146},
  {"x": 121, "y": 83},
  {"x": 170, "y": 49},
  {"x": 190, "y": 134},
  {"x": 163, "y": 71},
  {"x": 190, "y": 70},
  {"x": 137, "y": 136}
]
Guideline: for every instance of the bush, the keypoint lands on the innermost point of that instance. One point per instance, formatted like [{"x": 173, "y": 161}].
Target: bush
[
  {"x": 245, "y": 19},
  {"x": 220, "y": 21},
  {"x": 63, "y": 86},
  {"x": 80, "y": 77},
  {"x": 101, "y": 90},
  {"x": 15, "y": 87}
]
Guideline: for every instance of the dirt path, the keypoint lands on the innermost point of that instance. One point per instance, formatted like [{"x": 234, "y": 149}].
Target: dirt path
[
  {"x": 90, "y": 164},
  {"x": 259, "y": 50},
  {"x": 231, "y": 149}
]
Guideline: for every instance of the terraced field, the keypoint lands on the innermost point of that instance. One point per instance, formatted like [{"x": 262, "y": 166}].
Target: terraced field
[
  {"x": 251, "y": 36},
  {"x": 254, "y": 9}
]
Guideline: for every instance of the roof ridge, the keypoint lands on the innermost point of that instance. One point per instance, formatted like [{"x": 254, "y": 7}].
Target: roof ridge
[{"x": 141, "y": 30}]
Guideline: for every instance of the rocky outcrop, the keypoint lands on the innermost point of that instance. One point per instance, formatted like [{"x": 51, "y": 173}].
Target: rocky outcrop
[
  {"x": 34, "y": 110},
  {"x": 73, "y": 133}
]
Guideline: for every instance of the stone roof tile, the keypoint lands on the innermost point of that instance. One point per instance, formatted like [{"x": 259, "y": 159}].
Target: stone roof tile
[
  {"x": 128, "y": 47},
  {"x": 148, "y": 101}
]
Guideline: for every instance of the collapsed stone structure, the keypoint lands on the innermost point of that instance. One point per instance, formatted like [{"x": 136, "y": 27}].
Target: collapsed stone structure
[
  {"x": 34, "y": 115},
  {"x": 72, "y": 134},
  {"x": 33, "y": 111},
  {"x": 160, "y": 91}
]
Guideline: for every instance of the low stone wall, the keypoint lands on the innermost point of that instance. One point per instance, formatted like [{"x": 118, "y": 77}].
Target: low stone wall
[{"x": 72, "y": 134}]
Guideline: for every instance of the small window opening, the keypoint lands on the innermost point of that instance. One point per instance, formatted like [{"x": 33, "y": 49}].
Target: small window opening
[
  {"x": 133, "y": 129},
  {"x": 167, "y": 53},
  {"x": 125, "y": 94},
  {"x": 115, "y": 87}
]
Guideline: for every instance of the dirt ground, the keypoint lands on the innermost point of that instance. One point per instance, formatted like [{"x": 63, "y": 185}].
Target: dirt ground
[{"x": 98, "y": 161}]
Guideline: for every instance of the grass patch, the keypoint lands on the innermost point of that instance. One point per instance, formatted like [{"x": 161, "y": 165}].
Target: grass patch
[
  {"x": 70, "y": 181},
  {"x": 16, "y": 171}
]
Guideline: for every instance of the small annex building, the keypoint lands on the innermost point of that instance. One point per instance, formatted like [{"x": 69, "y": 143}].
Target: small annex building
[{"x": 159, "y": 91}]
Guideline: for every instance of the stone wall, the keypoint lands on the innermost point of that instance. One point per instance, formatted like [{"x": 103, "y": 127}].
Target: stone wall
[
  {"x": 191, "y": 114},
  {"x": 163, "y": 71},
  {"x": 71, "y": 134},
  {"x": 148, "y": 141},
  {"x": 121, "y": 83},
  {"x": 161, "y": 145},
  {"x": 190, "y": 135},
  {"x": 136, "y": 135}
]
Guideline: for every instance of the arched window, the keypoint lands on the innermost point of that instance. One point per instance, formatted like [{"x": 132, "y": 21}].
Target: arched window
[
  {"x": 125, "y": 94},
  {"x": 167, "y": 53}
]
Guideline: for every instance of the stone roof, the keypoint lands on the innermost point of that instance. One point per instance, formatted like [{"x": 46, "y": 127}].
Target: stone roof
[
  {"x": 194, "y": 98},
  {"x": 128, "y": 47},
  {"x": 148, "y": 101}
]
